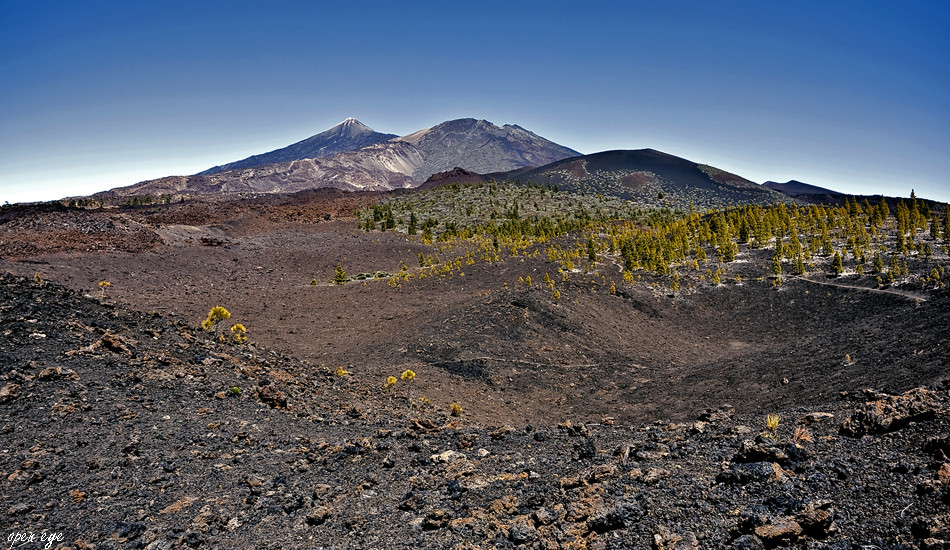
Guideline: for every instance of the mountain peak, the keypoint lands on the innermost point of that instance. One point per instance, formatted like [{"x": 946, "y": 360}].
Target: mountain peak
[
  {"x": 487, "y": 147},
  {"x": 350, "y": 128},
  {"x": 351, "y": 123},
  {"x": 348, "y": 135}
]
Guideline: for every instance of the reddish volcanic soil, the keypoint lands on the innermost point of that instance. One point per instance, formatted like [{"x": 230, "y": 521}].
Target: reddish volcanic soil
[
  {"x": 595, "y": 421},
  {"x": 507, "y": 353}
]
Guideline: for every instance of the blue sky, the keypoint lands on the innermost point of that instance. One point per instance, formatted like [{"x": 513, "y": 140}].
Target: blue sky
[{"x": 849, "y": 95}]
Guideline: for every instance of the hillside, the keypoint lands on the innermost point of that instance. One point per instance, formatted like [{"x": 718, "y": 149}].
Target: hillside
[
  {"x": 449, "y": 177},
  {"x": 794, "y": 188},
  {"x": 482, "y": 147},
  {"x": 379, "y": 167},
  {"x": 348, "y": 135},
  {"x": 651, "y": 177},
  {"x": 602, "y": 405},
  {"x": 475, "y": 145},
  {"x": 498, "y": 282},
  {"x": 125, "y": 431}
]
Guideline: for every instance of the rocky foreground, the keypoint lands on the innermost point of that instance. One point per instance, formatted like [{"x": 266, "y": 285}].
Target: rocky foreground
[{"x": 122, "y": 430}]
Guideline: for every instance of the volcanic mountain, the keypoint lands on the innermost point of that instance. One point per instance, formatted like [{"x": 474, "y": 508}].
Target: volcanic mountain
[
  {"x": 348, "y": 135},
  {"x": 650, "y": 177},
  {"x": 794, "y": 188},
  {"x": 482, "y": 147},
  {"x": 470, "y": 144}
]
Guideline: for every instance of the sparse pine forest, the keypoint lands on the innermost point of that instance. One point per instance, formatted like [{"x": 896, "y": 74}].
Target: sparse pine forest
[{"x": 610, "y": 242}]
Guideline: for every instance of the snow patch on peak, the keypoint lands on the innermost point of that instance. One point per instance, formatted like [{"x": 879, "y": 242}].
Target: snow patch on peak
[{"x": 351, "y": 126}]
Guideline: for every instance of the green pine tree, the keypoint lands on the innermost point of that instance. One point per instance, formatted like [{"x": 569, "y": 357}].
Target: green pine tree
[
  {"x": 836, "y": 266},
  {"x": 878, "y": 263},
  {"x": 339, "y": 276},
  {"x": 727, "y": 251},
  {"x": 799, "y": 265},
  {"x": 893, "y": 268},
  {"x": 777, "y": 265}
]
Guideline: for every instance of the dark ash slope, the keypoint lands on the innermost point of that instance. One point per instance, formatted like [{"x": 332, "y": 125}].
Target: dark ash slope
[
  {"x": 651, "y": 177},
  {"x": 119, "y": 431}
]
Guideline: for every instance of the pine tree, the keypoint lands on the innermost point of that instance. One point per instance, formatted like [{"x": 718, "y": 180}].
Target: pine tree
[
  {"x": 894, "y": 267},
  {"x": 727, "y": 252},
  {"x": 901, "y": 242},
  {"x": 853, "y": 208},
  {"x": 836, "y": 267},
  {"x": 777, "y": 265},
  {"x": 883, "y": 210},
  {"x": 826, "y": 245},
  {"x": 878, "y": 263},
  {"x": 799, "y": 265},
  {"x": 744, "y": 231},
  {"x": 339, "y": 276}
]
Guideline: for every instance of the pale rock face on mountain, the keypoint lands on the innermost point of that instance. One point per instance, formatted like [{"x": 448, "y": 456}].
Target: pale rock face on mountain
[
  {"x": 348, "y": 135},
  {"x": 336, "y": 159},
  {"x": 379, "y": 167},
  {"x": 482, "y": 147}
]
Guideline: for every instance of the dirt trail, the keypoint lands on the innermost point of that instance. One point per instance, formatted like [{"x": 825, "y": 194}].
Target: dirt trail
[{"x": 896, "y": 292}]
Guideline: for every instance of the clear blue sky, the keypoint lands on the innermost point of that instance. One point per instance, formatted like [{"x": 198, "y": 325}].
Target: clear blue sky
[{"x": 849, "y": 95}]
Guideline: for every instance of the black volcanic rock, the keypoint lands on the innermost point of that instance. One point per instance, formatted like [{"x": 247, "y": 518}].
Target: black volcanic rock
[
  {"x": 651, "y": 177},
  {"x": 793, "y": 188},
  {"x": 151, "y": 449},
  {"x": 348, "y": 135}
]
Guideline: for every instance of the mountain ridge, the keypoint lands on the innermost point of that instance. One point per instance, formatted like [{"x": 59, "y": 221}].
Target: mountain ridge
[
  {"x": 348, "y": 135},
  {"x": 469, "y": 149},
  {"x": 795, "y": 187},
  {"x": 501, "y": 148},
  {"x": 651, "y": 177},
  {"x": 397, "y": 163},
  {"x": 378, "y": 167}
]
